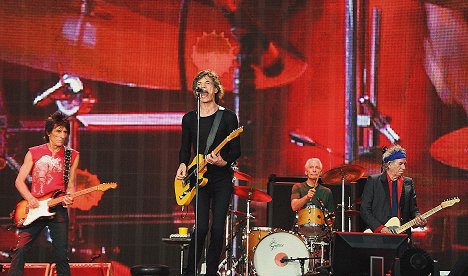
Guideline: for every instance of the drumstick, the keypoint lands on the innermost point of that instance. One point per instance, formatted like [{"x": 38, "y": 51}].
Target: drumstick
[{"x": 315, "y": 186}]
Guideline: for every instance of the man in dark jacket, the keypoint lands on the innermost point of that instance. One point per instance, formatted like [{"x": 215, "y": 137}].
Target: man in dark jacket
[{"x": 390, "y": 194}]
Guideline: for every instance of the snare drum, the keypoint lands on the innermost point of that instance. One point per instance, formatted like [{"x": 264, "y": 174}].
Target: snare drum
[
  {"x": 280, "y": 246},
  {"x": 311, "y": 221},
  {"x": 256, "y": 235}
]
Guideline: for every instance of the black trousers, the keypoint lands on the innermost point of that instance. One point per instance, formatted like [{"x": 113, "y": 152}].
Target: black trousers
[
  {"x": 58, "y": 227},
  {"x": 216, "y": 196}
]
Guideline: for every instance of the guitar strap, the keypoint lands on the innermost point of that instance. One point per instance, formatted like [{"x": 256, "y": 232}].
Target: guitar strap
[
  {"x": 67, "y": 163},
  {"x": 214, "y": 129}
]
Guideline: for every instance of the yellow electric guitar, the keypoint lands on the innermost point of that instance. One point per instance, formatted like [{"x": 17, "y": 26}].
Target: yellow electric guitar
[
  {"x": 185, "y": 189},
  {"x": 394, "y": 223},
  {"x": 23, "y": 216}
]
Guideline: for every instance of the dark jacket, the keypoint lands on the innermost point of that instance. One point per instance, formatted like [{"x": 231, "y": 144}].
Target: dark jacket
[{"x": 375, "y": 207}]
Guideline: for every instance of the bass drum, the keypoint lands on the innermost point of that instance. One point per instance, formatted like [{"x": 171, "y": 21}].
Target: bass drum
[
  {"x": 277, "y": 246},
  {"x": 256, "y": 235}
]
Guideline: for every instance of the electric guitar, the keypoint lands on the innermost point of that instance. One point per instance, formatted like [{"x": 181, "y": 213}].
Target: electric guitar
[
  {"x": 23, "y": 215},
  {"x": 185, "y": 189},
  {"x": 394, "y": 223}
]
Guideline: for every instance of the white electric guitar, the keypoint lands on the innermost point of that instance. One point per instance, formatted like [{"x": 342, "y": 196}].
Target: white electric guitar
[
  {"x": 394, "y": 223},
  {"x": 23, "y": 215}
]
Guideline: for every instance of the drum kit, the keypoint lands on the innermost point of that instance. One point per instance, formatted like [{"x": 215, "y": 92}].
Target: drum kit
[{"x": 305, "y": 250}]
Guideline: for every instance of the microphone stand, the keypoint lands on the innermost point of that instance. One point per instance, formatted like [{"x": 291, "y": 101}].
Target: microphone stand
[
  {"x": 196, "y": 184},
  {"x": 301, "y": 261}
]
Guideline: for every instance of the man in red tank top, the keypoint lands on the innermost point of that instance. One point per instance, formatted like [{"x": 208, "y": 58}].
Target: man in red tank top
[{"x": 46, "y": 164}]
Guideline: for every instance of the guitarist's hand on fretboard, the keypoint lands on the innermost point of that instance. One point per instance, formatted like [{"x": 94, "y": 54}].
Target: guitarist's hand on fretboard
[
  {"x": 420, "y": 221},
  {"x": 67, "y": 200},
  {"x": 181, "y": 172},
  {"x": 215, "y": 159}
]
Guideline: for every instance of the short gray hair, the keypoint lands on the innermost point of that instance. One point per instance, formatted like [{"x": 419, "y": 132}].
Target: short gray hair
[{"x": 313, "y": 159}]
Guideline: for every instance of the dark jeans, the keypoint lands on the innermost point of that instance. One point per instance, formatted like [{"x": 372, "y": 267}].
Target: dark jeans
[
  {"x": 218, "y": 194},
  {"x": 58, "y": 227}
]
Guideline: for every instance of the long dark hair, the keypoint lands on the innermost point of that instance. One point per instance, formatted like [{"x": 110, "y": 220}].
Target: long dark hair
[{"x": 55, "y": 120}]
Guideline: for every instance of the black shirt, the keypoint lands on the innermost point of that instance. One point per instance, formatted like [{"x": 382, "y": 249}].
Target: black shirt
[{"x": 230, "y": 152}]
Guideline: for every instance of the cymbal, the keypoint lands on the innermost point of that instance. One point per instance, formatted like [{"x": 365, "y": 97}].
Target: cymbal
[
  {"x": 242, "y": 176},
  {"x": 350, "y": 173},
  {"x": 134, "y": 44},
  {"x": 451, "y": 149},
  {"x": 238, "y": 213},
  {"x": 251, "y": 193}
]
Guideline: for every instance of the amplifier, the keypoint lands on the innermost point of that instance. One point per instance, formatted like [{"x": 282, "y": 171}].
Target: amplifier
[
  {"x": 88, "y": 269},
  {"x": 30, "y": 269}
]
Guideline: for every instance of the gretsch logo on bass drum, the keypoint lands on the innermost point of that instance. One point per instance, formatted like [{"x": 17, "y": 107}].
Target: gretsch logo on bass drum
[{"x": 274, "y": 244}]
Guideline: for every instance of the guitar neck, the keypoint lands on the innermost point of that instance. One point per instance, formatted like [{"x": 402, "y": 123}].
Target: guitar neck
[
  {"x": 216, "y": 151},
  {"x": 412, "y": 222},
  {"x": 58, "y": 200},
  {"x": 220, "y": 146}
]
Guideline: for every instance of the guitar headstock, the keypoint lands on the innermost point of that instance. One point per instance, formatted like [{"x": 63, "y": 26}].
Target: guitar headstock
[
  {"x": 106, "y": 186},
  {"x": 235, "y": 133},
  {"x": 449, "y": 202}
]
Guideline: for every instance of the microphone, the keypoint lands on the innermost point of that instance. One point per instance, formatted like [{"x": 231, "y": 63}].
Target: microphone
[
  {"x": 199, "y": 90},
  {"x": 284, "y": 260},
  {"x": 301, "y": 140}
]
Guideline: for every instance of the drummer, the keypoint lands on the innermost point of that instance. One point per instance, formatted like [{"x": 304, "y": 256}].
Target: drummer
[{"x": 312, "y": 193}]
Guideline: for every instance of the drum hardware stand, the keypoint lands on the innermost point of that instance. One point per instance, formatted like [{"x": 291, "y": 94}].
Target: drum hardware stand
[
  {"x": 301, "y": 261},
  {"x": 247, "y": 238},
  {"x": 342, "y": 202},
  {"x": 228, "y": 262},
  {"x": 313, "y": 243},
  {"x": 349, "y": 217}
]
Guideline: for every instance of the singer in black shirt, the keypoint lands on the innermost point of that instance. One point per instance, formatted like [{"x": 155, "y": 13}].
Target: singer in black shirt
[{"x": 216, "y": 194}]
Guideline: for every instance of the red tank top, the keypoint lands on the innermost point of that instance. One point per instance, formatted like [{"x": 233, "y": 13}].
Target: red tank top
[{"x": 47, "y": 171}]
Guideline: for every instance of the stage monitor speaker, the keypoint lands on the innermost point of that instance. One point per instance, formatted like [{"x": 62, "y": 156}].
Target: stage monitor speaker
[
  {"x": 30, "y": 269},
  {"x": 352, "y": 251},
  {"x": 279, "y": 212},
  {"x": 88, "y": 269},
  {"x": 461, "y": 267}
]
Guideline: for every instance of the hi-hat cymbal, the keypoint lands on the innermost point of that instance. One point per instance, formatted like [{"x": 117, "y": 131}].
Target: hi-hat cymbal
[
  {"x": 251, "y": 193},
  {"x": 242, "y": 176},
  {"x": 238, "y": 213},
  {"x": 349, "y": 172}
]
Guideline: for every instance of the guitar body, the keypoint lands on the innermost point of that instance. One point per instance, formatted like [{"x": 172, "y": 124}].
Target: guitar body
[
  {"x": 185, "y": 190},
  {"x": 391, "y": 224},
  {"x": 394, "y": 223},
  {"x": 24, "y": 216}
]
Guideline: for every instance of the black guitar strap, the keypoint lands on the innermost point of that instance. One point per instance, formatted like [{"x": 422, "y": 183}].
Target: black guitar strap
[
  {"x": 66, "y": 171},
  {"x": 214, "y": 129}
]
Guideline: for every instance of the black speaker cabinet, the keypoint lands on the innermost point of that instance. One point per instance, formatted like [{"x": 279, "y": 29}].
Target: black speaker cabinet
[{"x": 279, "y": 212}]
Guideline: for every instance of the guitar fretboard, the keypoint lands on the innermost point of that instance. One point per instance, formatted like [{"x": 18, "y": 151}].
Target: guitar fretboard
[
  {"x": 412, "y": 222},
  {"x": 58, "y": 200}
]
